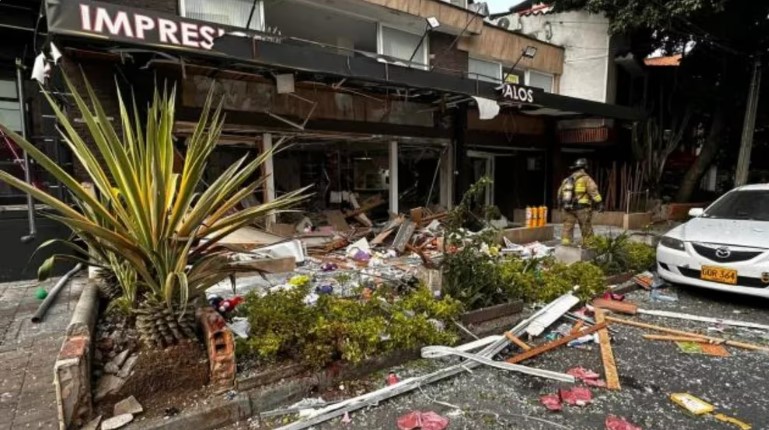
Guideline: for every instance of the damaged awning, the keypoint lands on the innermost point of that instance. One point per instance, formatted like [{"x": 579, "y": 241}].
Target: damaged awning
[{"x": 116, "y": 23}]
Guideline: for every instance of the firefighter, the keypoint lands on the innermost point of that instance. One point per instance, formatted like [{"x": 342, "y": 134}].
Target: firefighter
[{"x": 578, "y": 196}]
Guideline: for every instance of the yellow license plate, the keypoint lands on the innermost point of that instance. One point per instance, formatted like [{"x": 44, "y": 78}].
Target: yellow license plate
[{"x": 718, "y": 274}]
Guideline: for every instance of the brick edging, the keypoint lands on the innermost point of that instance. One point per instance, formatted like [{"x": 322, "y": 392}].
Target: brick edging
[{"x": 72, "y": 369}]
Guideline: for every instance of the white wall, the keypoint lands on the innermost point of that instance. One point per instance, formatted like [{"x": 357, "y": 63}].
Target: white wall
[{"x": 588, "y": 70}]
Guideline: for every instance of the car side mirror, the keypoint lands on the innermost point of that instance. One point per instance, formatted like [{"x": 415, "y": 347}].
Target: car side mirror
[{"x": 695, "y": 212}]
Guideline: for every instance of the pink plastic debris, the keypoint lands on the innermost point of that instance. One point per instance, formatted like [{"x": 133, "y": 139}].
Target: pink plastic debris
[
  {"x": 579, "y": 396},
  {"x": 613, "y": 296},
  {"x": 552, "y": 402},
  {"x": 619, "y": 423},
  {"x": 582, "y": 373},
  {"x": 346, "y": 418},
  {"x": 587, "y": 376},
  {"x": 423, "y": 421}
]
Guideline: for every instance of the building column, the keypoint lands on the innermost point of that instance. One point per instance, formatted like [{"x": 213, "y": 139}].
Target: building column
[
  {"x": 393, "y": 182},
  {"x": 446, "y": 180},
  {"x": 269, "y": 170},
  {"x": 461, "y": 161},
  {"x": 553, "y": 165}
]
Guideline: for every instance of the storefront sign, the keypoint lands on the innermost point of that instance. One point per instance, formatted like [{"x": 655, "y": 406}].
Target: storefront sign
[
  {"x": 114, "y": 22},
  {"x": 517, "y": 93}
]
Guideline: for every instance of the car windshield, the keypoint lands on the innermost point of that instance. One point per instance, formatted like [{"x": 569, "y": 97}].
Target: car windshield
[{"x": 747, "y": 205}]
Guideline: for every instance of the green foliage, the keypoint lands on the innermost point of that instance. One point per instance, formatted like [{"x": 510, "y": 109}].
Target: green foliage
[
  {"x": 473, "y": 277},
  {"x": 629, "y": 15},
  {"x": 146, "y": 217},
  {"x": 641, "y": 256},
  {"x": 544, "y": 280},
  {"x": 620, "y": 254},
  {"x": 283, "y": 326}
]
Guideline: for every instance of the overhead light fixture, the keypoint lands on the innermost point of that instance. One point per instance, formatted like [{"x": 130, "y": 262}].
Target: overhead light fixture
[
  {"x": 432, "y": 24},
  {"x": 528, "y": 52}
]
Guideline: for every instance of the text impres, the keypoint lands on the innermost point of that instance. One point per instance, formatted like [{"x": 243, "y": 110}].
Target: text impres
[
  {"x": 519, "y": 94},
  {"x": 142, "y": 27}
]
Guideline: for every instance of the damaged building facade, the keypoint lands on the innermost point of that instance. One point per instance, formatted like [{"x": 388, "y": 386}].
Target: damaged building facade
[{"x": 403, "y": 102}]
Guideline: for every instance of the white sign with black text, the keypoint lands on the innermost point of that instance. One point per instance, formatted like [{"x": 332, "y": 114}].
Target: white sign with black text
[{"x": 518, "y": 94}]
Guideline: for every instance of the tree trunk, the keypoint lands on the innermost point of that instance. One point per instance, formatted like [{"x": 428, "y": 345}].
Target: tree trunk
[{"x": 709, "y": 150}]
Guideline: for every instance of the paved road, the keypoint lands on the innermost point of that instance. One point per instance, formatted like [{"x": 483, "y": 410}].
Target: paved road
[
  {"x": 649, "y": 370},
  {"x": 28, "y": 352}
]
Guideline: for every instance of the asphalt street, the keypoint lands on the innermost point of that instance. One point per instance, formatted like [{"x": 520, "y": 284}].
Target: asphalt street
[{"x": 649, "y": 372}]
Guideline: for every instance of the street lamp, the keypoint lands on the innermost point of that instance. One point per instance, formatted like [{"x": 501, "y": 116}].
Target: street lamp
[
  {"x": 528, "y": 52},
  {"x": 431, "y": 24}
]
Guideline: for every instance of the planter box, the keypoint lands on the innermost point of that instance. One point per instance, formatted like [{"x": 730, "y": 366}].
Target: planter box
[
  {"x": 492, "y": 312},
  {"x": 523, "y": 235},
  {"x": 631, "y": 221},
  {"x": 679, "y": 211},
  {"x": 619, "y": 278}
]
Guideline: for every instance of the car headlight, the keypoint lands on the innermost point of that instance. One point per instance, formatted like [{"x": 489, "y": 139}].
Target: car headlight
[{"x": 670, "y": 242}]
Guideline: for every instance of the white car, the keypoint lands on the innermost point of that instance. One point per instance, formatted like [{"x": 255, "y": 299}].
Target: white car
[{"x": 724, "y": 247}]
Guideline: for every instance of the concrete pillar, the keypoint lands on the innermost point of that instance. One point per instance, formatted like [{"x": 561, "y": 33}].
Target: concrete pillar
[
  {"x": 269, "y": 185},
  {"x": 446, "y": 180},
  {"x": 393, "y": 185}
]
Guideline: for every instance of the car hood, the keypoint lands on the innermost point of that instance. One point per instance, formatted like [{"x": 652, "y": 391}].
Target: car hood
[{"x": 724, "y": 231}]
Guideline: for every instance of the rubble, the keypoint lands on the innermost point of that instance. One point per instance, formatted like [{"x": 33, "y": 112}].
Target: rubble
[
  {"x": 108, "y": 384},
  {"x": 116, "y": 422},
  {"x": 129, "y": 405}
]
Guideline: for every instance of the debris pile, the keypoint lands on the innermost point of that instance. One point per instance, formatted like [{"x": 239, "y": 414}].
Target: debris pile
[{"x": 561, "y": 323}]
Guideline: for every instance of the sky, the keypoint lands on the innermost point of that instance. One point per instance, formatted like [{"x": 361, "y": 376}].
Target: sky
[{"x": 501, "y": 5}]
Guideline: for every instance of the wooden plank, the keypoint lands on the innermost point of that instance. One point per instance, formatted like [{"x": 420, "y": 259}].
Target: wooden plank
[
  {"x": 738, "y": 344},
  {"x": 514, "y": 339},
  {"x": 577, "y": 327},
  {"x": 337, "y": 220},
  {"x": 616, "y": 306},
  {"x": 675, "y": 338},
  {"x": 607, "y": 355},
  {"x": 554, "y": 344},
  {"x": 268, "y": 265},
  {"x": 403, "y": 237}
]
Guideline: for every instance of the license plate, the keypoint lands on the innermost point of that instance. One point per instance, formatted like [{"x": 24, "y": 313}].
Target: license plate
[{"x": 718, "y": 274}]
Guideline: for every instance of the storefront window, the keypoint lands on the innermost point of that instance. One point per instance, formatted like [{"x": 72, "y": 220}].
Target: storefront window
[
  {"x": 234, "y": 13},
  {"x": 10, "y": 112}
]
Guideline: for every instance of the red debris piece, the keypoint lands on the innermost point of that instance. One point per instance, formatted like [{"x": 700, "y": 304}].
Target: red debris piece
[
  {"x": 552, "y": 402},
  {"x": 613, "y": 296},
  {"x": 422, "y": 421},
  {"x": 577, "y": 396},
  {"x": 619, "y": 423},
  {"x": 589, "y": 377},
  {"x": 392, "y": 378}
]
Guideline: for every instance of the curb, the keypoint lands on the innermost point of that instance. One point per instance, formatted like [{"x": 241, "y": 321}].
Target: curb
[
  {"x": 253, "y": 401},
  {"x": 72, "y": 369}
]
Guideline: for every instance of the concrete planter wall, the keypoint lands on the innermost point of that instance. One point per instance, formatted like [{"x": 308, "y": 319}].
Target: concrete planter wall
[{"x": 631, "y": 221}]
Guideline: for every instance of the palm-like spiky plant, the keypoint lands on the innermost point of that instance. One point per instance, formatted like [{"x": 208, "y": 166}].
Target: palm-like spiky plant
[{"x": 155, "y": 227}]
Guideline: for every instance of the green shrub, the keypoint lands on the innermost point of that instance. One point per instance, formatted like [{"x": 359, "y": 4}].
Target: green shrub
[
  {"x": 619, "y": 254},
  {"x": 473, "y": 278},
  {"x": 283, "y": 326},
  {"x": 641, "y": 256},
  {"x": 544, "y": 280}
]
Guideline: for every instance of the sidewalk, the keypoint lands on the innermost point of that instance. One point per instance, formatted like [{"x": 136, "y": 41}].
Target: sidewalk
[{"x": 28, "y": 352}]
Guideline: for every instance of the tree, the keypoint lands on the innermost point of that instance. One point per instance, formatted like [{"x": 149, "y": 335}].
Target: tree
[{"x": 720, "y": 40}]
